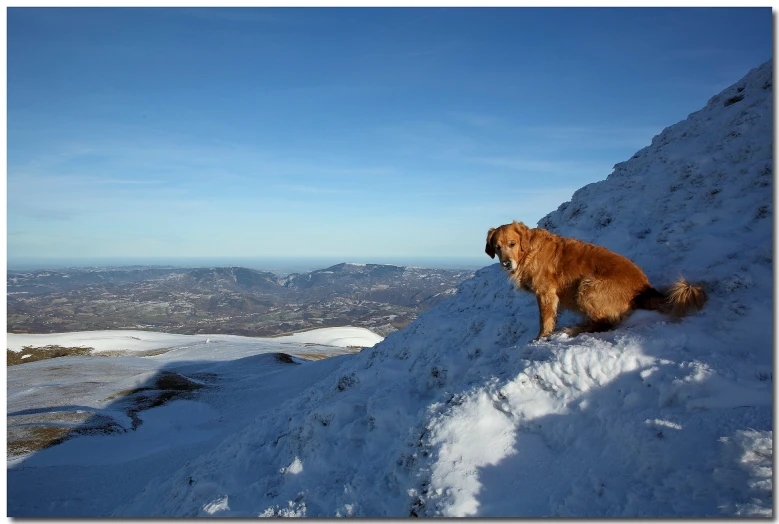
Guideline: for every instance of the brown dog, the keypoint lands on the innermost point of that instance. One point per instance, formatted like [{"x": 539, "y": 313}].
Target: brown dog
[{"x": 598, "y": 283}]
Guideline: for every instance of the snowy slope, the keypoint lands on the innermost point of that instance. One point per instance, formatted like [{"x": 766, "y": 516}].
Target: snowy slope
[
  {"x": 460, "y": 414},
  {"x": 245, "y": 377},
  {"x": 91, "y": 474}
]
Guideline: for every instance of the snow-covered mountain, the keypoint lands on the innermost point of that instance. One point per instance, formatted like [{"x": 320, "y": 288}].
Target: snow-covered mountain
[{"x": 462, "y": 414}]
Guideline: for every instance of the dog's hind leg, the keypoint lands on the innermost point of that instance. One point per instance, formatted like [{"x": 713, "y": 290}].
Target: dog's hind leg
[
  {"x": 591, "y": 326},
  {"x": 604, "y": 302}
]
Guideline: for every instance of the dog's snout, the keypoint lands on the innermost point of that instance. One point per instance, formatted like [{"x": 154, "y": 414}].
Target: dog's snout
[{"x": 506, "y": 263}]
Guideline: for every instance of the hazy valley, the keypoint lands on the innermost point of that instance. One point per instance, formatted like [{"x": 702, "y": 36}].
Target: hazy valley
[{"x": 224, "y": 300}]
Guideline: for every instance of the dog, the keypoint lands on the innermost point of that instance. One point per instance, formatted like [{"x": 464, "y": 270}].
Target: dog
[{"x": 564, "y": 272}]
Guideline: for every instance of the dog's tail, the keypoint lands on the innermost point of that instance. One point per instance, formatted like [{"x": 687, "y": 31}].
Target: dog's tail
[{"x": 681, "y": 299}]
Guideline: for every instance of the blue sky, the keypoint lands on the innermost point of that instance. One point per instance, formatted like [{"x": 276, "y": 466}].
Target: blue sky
[{"x": 361, "y": 134}]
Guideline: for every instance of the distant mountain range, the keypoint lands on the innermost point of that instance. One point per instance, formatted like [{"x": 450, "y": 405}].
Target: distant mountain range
[{"x": 228, "y": 300}]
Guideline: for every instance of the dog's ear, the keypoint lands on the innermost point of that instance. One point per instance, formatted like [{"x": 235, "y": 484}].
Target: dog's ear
[
  {"x": 524, "y": 233},
  {"x": 488, "y": 248}
]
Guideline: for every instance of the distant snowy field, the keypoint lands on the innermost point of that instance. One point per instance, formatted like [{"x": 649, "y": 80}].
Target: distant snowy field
[
  {"x": 131, "y": 341},
  {"x": 461, "y": 413}
]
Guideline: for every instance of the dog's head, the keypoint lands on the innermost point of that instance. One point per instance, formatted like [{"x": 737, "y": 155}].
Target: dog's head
[{"x": 510, "y": 242}]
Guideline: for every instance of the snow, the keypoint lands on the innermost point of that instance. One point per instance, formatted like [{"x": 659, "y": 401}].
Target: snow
[
  {"x": 80, "y": 477},
  {"x": 341, "y": 337},
  {"x": 143, "y": 341},
  {"x": 461, "y": 413},
  {"x": 100, "y": 341},
  {"x": 213, "y": 508}
]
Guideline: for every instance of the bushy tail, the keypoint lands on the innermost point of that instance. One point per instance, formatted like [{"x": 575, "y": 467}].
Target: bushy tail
[
  {"x": 681, "y": 299},
  {"x": 685, "y": 298}
]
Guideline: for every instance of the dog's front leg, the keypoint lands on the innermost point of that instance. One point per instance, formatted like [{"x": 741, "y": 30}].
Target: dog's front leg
[{"x": 547, "y": 310}]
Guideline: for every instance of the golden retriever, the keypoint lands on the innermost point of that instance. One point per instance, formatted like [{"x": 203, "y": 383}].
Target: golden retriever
[{"x": 564, "y": 272}]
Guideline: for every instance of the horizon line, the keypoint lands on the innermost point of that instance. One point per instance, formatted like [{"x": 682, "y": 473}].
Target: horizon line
[{"x": 250, "y": 262}]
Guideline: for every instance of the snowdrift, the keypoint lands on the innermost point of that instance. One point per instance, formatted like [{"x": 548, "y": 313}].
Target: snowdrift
[{"x": 460, "y": 414}]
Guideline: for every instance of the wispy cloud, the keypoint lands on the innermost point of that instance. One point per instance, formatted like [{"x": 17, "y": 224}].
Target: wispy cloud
[
  {"x": 529, "y": 165},
  {"x": 591, "y": 137},
  {"x": 77, "y": 180},
  {"x": 125, "y": 155},
  {"x": 502, "y": 143},
  {"x": 251, "y": 15},
  {"x": 130, "y": 182},
  {"x": 693, "y": 54},
  {"x": 314, "y": 190},
  {"x": 474, "y": 119},
  {"x": 44, "y": 214}
]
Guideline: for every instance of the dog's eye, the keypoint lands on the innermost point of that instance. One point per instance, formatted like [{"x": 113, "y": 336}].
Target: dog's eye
[
  {"x": 512, "y": 244},
  {"x": 497, "y": 248}
]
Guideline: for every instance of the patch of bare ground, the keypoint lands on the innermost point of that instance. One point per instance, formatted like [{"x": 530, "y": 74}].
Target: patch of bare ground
[
  {"x": 33, "y": 354},
  {"x": 166, "y": 387},
  {"x": 349, "y": 350},
  {"x": 312, "y": 356},
  {"x": 33, "y": 436},
  {"x": 127, "y": 352},
  {"x": 284, "y": 358},
  {"x": 299, "y": 331},
  {"x": 26, "y": 439},
  {"x": 29, "y": 432}
]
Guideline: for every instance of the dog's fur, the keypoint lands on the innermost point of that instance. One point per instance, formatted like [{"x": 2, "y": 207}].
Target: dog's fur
[{"x": 564, "y": 272}]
